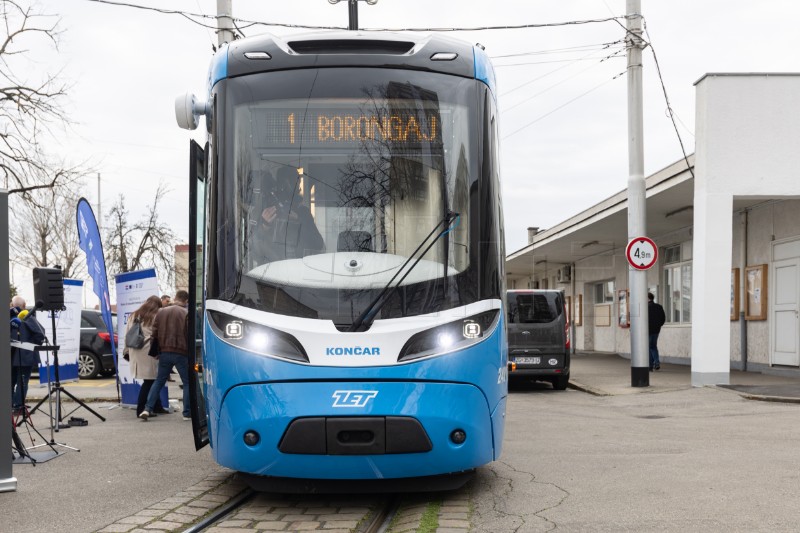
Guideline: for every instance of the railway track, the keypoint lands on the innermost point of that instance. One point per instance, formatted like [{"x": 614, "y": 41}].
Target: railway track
[{"x": 250, "y": 507}]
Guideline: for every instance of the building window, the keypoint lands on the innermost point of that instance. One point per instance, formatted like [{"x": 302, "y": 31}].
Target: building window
[
  {"x": 678, "y": 283},
  {"x": 604, "y": 292}
]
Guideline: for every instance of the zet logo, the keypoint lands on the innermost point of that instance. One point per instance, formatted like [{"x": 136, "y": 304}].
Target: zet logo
[{"x": 352, "y": 398}]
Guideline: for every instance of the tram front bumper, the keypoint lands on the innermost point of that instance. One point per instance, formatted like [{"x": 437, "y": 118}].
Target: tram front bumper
[{"x": 353, "y": 430}]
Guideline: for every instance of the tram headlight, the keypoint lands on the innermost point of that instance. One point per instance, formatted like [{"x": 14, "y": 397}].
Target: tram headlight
[
  {"x": 454, "y": 335},
  {"x": 256, "y": 337}
]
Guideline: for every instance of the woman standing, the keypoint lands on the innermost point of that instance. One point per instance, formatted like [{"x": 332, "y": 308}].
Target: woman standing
[{"x": 143, "y": 366}]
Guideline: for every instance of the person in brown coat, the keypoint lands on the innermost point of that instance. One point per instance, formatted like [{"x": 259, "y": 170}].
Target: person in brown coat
[
  {"x": 143, "y": 366},
  {"x": 169, "y": 336}
]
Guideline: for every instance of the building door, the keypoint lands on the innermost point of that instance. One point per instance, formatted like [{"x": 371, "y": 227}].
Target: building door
[{"x": 785, "y": 312}]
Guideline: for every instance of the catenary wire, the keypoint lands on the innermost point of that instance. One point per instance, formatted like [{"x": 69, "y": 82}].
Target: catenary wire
[
  {"x": 534, "y": 121},
  {"x": 666, "y": 99},
  {"x": 525, "y": 84},
  {"x": 562, "y": 81}
]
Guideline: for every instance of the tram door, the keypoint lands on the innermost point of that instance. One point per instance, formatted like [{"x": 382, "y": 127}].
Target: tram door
[
  {"x": 785, "y": 308},
  {"x": 197, "y": 222}
]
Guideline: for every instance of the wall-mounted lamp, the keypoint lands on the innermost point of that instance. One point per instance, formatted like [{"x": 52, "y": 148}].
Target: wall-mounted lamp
[{"x": 588, "y": 244}]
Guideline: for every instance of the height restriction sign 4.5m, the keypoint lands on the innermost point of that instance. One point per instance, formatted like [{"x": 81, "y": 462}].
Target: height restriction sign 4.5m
[{"x": 642, "y": 253}]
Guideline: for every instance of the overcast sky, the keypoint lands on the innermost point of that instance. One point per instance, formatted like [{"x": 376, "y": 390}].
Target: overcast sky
[{"x": 563, "y": 110}]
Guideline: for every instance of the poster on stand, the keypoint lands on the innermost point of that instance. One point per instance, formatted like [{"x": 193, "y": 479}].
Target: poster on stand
[
  {"x": 67, "y": 335},
  {"x": 133, "y": 288}
]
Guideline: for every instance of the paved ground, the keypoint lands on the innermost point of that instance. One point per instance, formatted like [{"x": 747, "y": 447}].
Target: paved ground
[{"x": 571, "y": 460}]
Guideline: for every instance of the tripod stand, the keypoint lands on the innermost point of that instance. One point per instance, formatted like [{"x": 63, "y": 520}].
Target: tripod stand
[
  {"x": 58, "y": 390},
  {"x": 23, "y": 415}
]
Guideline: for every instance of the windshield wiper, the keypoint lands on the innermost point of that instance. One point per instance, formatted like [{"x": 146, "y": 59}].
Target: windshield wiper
[{"x": 365, "y": 319}]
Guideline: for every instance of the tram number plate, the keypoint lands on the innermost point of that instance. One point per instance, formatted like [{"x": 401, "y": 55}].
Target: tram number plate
[{"x": 531, "y": 360}]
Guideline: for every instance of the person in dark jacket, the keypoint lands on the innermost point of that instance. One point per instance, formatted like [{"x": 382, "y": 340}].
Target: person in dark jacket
[
  {"x": 169, "y": 344},
  {"x": 655, "y": 319},
  {"x": 286, "y": 228},
  {"x": 24, "y": 328}
]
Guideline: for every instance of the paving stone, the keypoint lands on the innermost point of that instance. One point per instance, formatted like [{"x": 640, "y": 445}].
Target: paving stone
[
  {"x": 180, "y": 518},
  {"x": 164, "y": 525},
  {"x": 203, "y": 504},
  {"x": 193, "y": 511},
  {"x": 340, "y": 516},
  {"x": 452, "y": 530},
  {"x": 454, "y": 516},
  {"x": 340, "y": 524},
  {"x": 220, "y": 529},
  {"x": 177, "y": 499},
  {"x": 285, "y": 510},
  {"x": 219, "y": 498},
  {"x": 117, "y": 528},
  {"x": 235, "y": 523},
  {"x": 454, "y": 509},
  {"x": 298, "y": 518},
  {"x": 250, "y": 515},
  {"x": 151, "y": 513},
  {"x": 320, "y": 509},
  {"x": 164, "y": 506},
  {"x": 303, "y": 526},
  {"x": 272, "y": 526},
  {"x": 136, "y": 520},
  {"x": 454, "y": 523}
]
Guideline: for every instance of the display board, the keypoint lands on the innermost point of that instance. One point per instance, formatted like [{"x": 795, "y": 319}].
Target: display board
[{"x": 67, "y": 335}]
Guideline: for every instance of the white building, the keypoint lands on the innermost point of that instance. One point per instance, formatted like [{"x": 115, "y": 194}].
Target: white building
[{"x": 727, "y": 225}]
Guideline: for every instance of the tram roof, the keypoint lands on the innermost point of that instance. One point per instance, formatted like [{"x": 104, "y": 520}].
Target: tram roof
[{"x": 431, "y": 53}]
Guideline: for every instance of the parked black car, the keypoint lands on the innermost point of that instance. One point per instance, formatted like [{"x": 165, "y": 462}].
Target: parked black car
[{"x": 95, "y": 357}]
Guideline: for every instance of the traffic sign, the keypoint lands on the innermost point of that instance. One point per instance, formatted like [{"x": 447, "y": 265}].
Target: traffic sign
[{"x": 642, "y": 253}]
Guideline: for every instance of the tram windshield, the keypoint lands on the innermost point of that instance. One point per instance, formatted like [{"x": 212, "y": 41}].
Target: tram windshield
[{"x": 333, "y": 191}]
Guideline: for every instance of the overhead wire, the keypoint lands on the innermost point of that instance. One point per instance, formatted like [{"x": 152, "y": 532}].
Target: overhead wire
[
  {"x": 611, "y": 56},
  {"x": 666, "y": 98},
  {"x": 531, "y": 123},
  {"x": 569, "y": 49},
  {"x": 525, "y": 84}
]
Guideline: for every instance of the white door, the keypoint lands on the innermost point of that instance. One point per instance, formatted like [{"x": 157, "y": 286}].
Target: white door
[{"x": 785, "y": 330}]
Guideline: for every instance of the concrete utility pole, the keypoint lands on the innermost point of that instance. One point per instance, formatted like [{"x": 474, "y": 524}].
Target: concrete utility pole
[
  {"x": 7, "y": 480},
  {"x": 637, "y": 198},
  {"x": 224, "y": 22},
  {"x": 99, "y": 209}
]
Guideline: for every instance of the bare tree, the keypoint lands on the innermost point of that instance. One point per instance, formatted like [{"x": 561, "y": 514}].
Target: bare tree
[
  {"x": 43, "y": 231},
  {"x": 149, "y": 243},
  {"x": 30, "y": 108}
]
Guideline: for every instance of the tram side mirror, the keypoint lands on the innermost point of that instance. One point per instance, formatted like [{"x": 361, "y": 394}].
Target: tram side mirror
[{"x": 188, "y": 110}]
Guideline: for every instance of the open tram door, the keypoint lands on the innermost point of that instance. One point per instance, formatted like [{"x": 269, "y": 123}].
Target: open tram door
[{"x": 197, "y": 221}]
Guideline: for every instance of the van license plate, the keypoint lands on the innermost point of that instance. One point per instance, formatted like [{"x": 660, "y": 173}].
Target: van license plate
[{"x": 531, "y": 360}]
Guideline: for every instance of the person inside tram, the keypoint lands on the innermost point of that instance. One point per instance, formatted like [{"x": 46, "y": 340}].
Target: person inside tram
[{"x": 286, "y": 228}]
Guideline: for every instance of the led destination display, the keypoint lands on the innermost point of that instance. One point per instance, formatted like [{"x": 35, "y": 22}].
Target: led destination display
[{"x": 334, "y": 127}]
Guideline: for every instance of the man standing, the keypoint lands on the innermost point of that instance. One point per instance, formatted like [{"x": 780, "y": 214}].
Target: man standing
[
  {"x": 655, "y": 319},
  {"x": 169, "y": 345},
  {"x": 24, "y": 328}
]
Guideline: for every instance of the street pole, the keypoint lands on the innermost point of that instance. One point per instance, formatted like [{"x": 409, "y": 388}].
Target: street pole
[
  {"x": 99, "y": 210},
  {"x": 7, "y": 480},
  {"x": 637, "y": 199},
  {"x": 224, "y": 22},
  {"x": 352, "y": 6}
]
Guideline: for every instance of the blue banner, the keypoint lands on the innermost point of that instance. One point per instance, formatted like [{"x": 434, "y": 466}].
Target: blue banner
[{"x": 89, "y": 241}]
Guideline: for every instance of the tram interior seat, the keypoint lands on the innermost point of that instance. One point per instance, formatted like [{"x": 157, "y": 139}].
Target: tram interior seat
[{"x": 355, "y": 241}]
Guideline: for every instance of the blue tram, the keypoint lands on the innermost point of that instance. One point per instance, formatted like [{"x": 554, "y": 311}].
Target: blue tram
[{"x": 346, "y": 259}]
